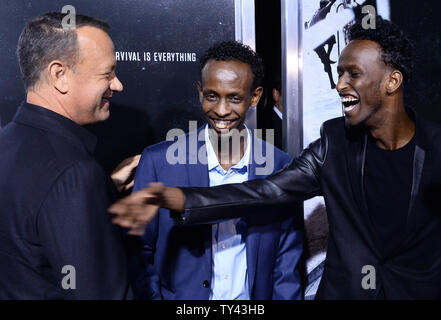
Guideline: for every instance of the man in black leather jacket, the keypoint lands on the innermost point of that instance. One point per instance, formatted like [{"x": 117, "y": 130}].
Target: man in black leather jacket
[{"x": 378, "y": 168}]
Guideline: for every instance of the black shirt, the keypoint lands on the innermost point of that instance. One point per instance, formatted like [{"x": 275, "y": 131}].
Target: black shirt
[{"x": 388, "y": 184}]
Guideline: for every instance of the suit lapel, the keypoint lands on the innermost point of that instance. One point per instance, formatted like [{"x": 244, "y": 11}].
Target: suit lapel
[
  {"x": 418, "y": 164},
  {"x": 356, "y": 157},
  {"x": 414, "y": 217},
  {"x": 197, "y": 175},
  {"x": 252, "y": 236},
  {"x": 420, "y": 158},
  {"x": 252, "y": 247}
]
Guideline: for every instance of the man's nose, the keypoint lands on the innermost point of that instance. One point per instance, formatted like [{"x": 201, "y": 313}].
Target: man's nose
[
  {"x": 223, "y": 109},
  {"x": 116, "y": 85},
  {"x": 341, "y": 84}
]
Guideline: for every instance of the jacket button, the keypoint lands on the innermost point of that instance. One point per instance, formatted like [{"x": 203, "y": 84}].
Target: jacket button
[{"x": 206, "y": 284}]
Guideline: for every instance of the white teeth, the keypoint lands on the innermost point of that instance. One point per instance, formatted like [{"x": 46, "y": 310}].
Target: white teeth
[
  {"x": 348, "y": 99},
  {"x": 350, "y": 108},
  {"x": 222, "y": 124}
]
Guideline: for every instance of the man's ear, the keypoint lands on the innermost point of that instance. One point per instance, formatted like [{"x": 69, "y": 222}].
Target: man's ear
[
  {"x": 57, "y": 76},
  {"x": 394, "y": 81},
  {"x": 201, "y": 95},
  {"x": 257, "y": 93}
]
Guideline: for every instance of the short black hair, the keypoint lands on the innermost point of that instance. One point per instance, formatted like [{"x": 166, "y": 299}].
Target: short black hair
[
  {"x": 233, "y": 50},
  {"x": 44, "y": 39},
  {"x": 397, "y": 49},
  {"x": 276, "y": 82}
]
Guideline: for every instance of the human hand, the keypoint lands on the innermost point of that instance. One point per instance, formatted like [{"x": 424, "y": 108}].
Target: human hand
[
  {"x": 124, "y": 174},
  {"x": 138, "y": 209}
]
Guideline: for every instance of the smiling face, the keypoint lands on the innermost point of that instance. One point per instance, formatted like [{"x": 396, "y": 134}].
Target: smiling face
[
  {"x": 362, "y": 82},
  {"x": 226, "y": 94},
  {"x": 93, "y": 80}
]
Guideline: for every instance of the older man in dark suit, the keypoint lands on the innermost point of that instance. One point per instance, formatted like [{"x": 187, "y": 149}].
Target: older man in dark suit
[{"x": 56, "y": 241}]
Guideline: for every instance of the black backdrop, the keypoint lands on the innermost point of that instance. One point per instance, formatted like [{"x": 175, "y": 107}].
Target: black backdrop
[
  {"x": 421, "y": 21},
  {"x": 158, "y": 95}
]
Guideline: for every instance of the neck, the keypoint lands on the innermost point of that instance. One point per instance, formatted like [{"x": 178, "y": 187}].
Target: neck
[
  {"x": 395, "y": 129},
  {"x": 46, "y": 100},
  {"x": 229, "y": 150}
]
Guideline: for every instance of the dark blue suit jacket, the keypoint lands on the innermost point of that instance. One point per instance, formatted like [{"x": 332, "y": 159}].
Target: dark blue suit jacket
[
  {"x": 176, "y": 262},
  {"x": 53, "y": 213}
]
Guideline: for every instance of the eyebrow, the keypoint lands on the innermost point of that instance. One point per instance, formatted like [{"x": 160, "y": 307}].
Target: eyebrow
[
  {"x": 348, "y": 66},
  {"x": 205, "y": 91},
  {"x": 232, "y": 94}
]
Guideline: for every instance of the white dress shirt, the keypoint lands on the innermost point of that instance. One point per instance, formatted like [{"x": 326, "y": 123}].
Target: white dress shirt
[{"x": 229, "y": 264}]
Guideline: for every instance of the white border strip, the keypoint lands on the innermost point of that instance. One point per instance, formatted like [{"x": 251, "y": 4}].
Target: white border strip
[
  {"x": 383, "y": 9},
  {"x": 245, "y": 30},
  {"x": 292, "y": 76}
]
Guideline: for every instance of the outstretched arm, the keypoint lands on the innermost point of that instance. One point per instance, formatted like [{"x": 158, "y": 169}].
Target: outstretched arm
[{"x": 299, "y": 181}]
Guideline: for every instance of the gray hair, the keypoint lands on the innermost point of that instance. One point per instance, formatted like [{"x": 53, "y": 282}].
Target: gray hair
[{"x": 44, "y": 39}]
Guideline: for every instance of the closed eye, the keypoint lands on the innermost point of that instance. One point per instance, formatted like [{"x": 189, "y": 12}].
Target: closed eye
[{"x": 107, "y": 75}]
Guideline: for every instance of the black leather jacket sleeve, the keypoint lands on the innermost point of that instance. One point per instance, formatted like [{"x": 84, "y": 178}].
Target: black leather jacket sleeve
[{"x": 298, "y": 181}]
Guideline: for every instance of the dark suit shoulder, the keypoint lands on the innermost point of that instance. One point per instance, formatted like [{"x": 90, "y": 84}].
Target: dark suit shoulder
[
  {"x": 29, "y": 170},
  {"x": 30, "y": 151},
  {"x": 335, "y": 133},
  {"x": 431, "y": 127},
  {"x": 178, "y": 140},
  {"x": 38, "y": 146},
  {"x": 159, "y": 147},
  {"x": 179, "y": 147},
  {"x": 335, "y": 124},
  {"x": 428, "y": 135},
  {"x": 36, "y": 158},
  {"x": 157, "y": 153}
]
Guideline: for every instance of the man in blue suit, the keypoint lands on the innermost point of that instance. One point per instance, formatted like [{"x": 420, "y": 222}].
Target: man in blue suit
[{"x": 245, "y": 258}]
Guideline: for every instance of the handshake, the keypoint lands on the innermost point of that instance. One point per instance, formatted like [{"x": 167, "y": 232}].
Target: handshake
[{"x": 138, "y": 209}]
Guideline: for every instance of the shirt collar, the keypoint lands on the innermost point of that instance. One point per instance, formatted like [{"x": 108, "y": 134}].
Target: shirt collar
[
  {"x": 39, "y": 117},
  {"x": 277, "y": 111},
  {"x": 213, "y": 161}
]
